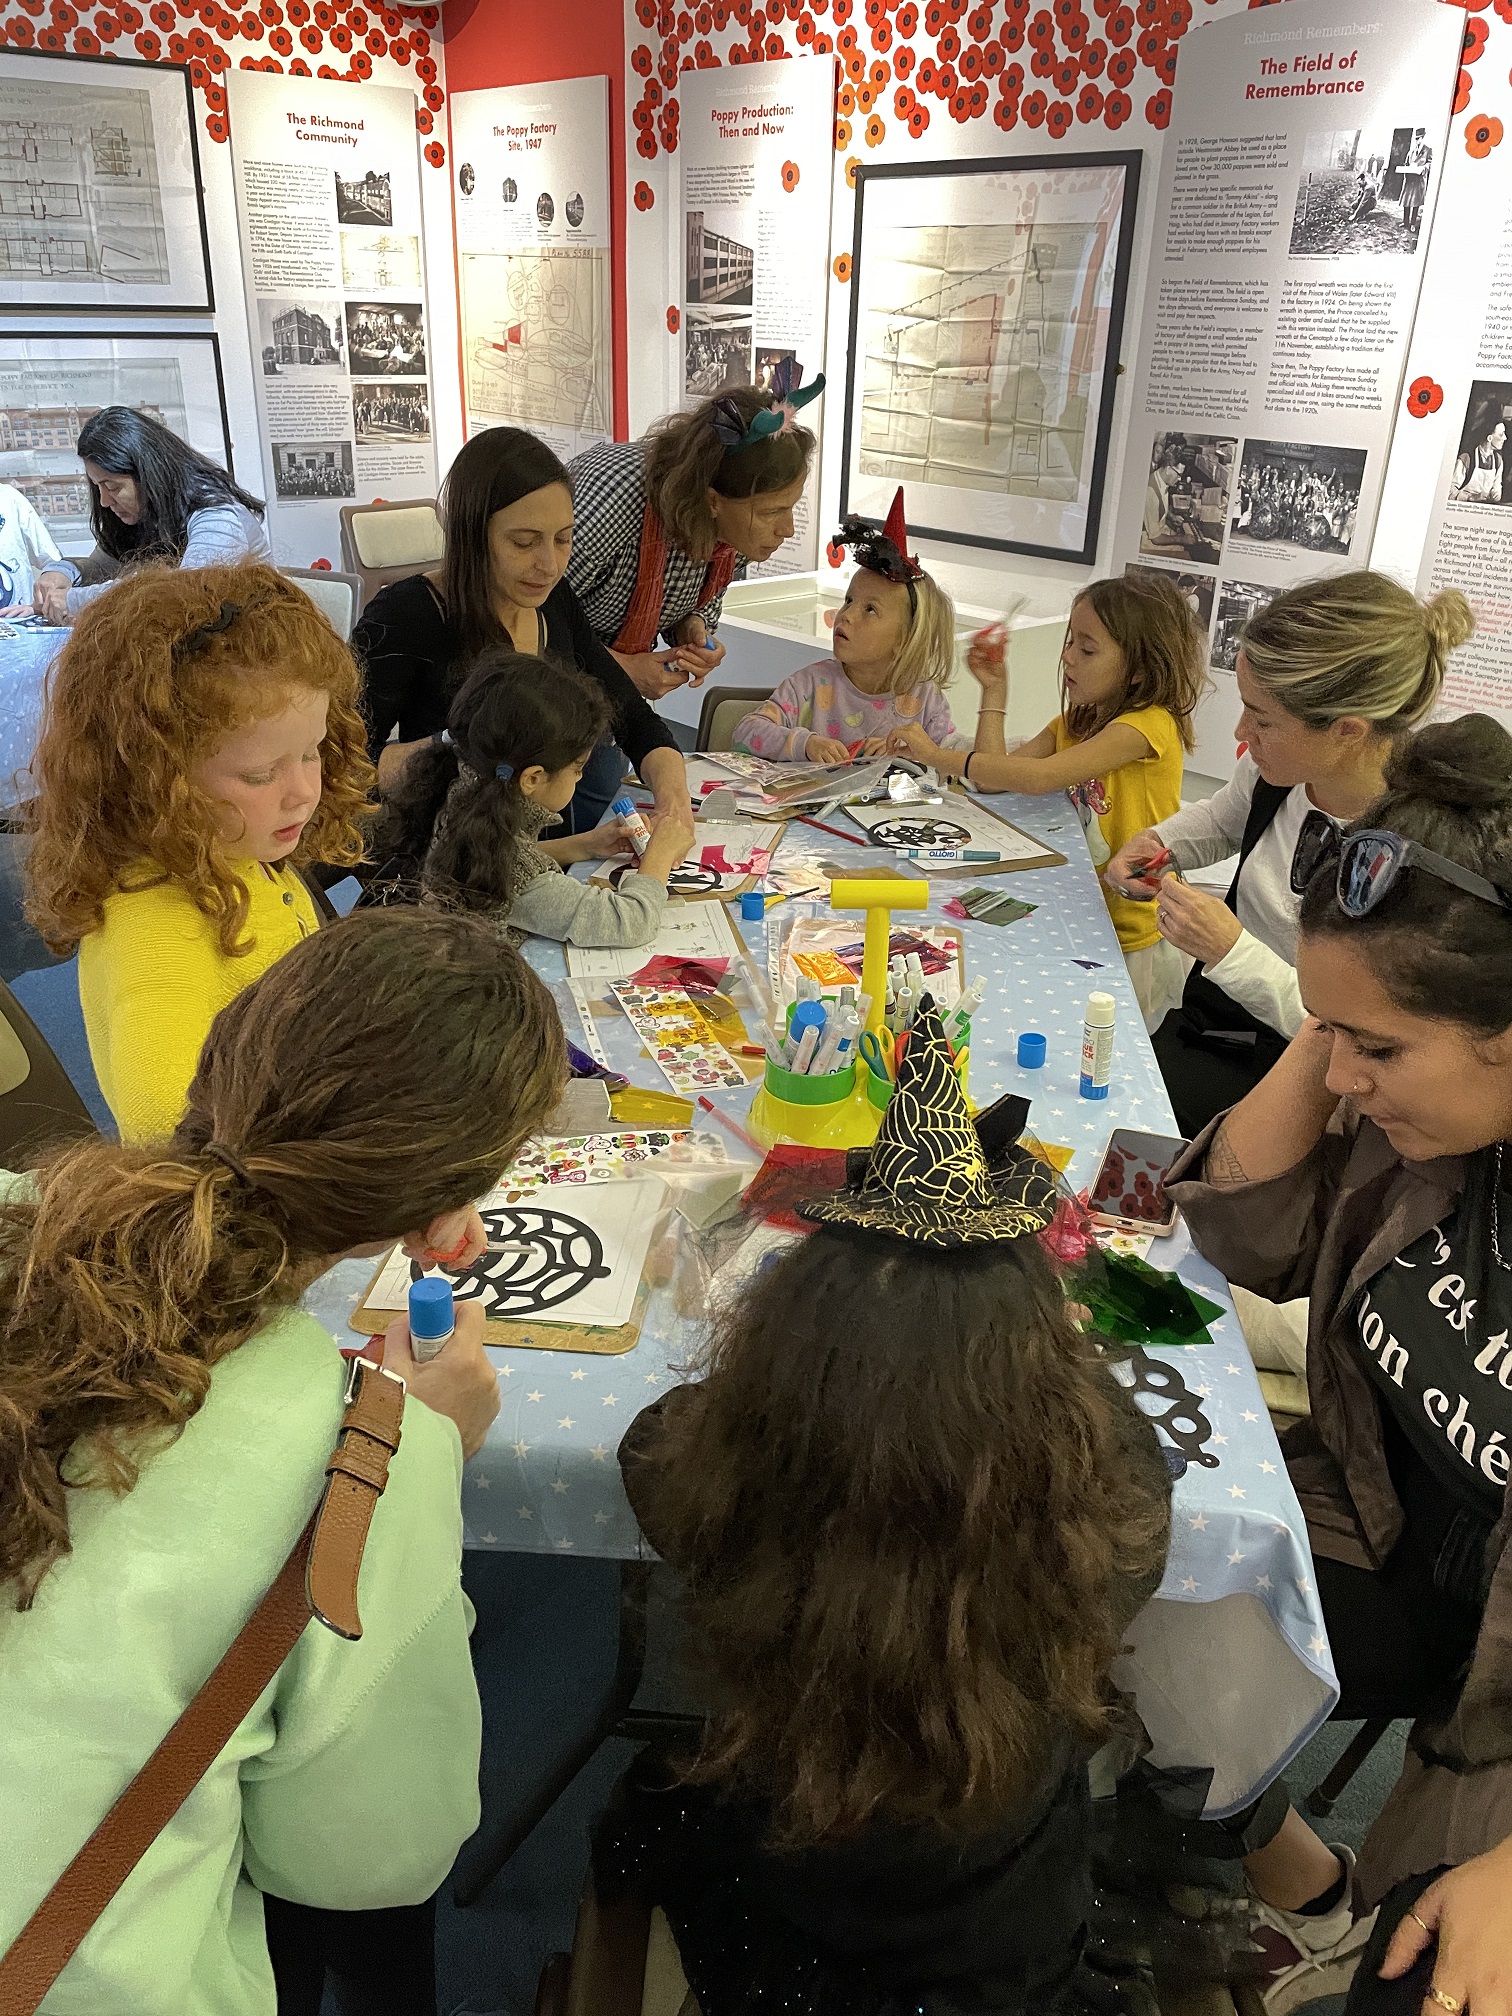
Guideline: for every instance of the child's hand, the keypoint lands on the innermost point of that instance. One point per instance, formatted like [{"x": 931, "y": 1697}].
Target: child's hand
[
  {"x": 454, "y": 1240},
  {"x": 912, "y": 741},
  {"x": 874, "y": 745},
  {"x": 602, "y": 841},
  {"x": 987, "y": 655},
  {"x": 825, "y": 749}
]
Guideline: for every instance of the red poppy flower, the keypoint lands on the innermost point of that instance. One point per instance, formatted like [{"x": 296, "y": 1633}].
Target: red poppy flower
[
  {"x": 882, "y": 35},
  {"x": 435, "y": 154},
  {"x": 281, "y": 40},
  {"x": 846, "y": 99},
  {"x": 217, "y": 128},
  {"x": 1178, "y": 17},
  {"x": 1158, "y": 110},
  {"x": 362, "y": 63},
  {"x": 399, "y": 53},
  {"x": 216, "y": 59},
  {"x": 164, "y": 16},
  {"x": 674, "y": 321},
  {"x": 1475, "y": 41},
  {"x": 1093, "y": 57},
  {"x": 425, "y": 119},
  {"x": 53, "y": 39},
  {"x": 1012, "y": 79},
  {"x": 1122, "y": 68},
  {"x": 178, "y": 49},
  {"x": 645, "y": 146},
  {"x": 652, "y": 95},
  {"x": 107, "y": 28},
  {"x": 1074, "y": 34},
  {"x": 1011, "y": 35},
  {"x": 645, "y": 196},
  {"x": 1005, "y": 114},
  {"x": 419, "y": 42},
  {"x": 903, "y": 63},
  {"x": 1042, "y": 62},
  {"x": 323, "y": 14},
  {"x": 929, "y": 71},
  {"x": 1120, "y": 25},
  {"x": 903, "y": 101},
  {"x": 21, "y": 32},
  {"x": 1089, "y": 104},
  {"x": 64, "y": 16},
  {"x": 840, "y": 266},
  {"x": 85, "y": 43},
  {"x": 1117, "y": 107},
  {"x": 971, "y": 64},
  {"x": 703, "y": 20},
  {"x": 299, "y": 13},
  {"x": 907, "y": 19},
  {"x": 645, "y": 12},
  {"x": 147, "y": 46},
  {"x": 876, "y": 130},
  {"x": 934, "y": 17},
  {"x": 435, "y": 97},
  {"x": 1033, "y": 108},
  {"x": 949, "y": 46},
  {"x": 1066, "y": 73},
  {"x": 341, "y": 38},
  {"x": 375, "y": 42},
  {"x": 313, "y": 40},
  {"x": 228, "y": 27},
  {"x": 881, "y": 74},
  {"x": 918, "y": 125},
  {"x": 945, "y": 83},
  {"x": 840, "y": 12},
  {"x": 130, "y": 18},
  {"x": 1504, "y": 8},
  {"x": 1058, "y": 119},
  {"x": 980, "y": 23},
  {"x": 1423, "y": 398},
  {"x": 1482, "y": 133},
  {"x": 215, "y": 97},
  {"x": 1042, "y": 31},
  {"x": 425, "y": 69}
]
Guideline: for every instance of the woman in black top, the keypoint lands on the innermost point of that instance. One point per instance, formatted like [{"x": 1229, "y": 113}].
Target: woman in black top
[{"x": 507, "y": 508}]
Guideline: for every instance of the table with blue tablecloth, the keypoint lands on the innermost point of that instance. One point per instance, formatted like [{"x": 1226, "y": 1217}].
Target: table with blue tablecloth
[
  {"x": 1229, "y": 1666},
  {"x": 25, "y": 658}
]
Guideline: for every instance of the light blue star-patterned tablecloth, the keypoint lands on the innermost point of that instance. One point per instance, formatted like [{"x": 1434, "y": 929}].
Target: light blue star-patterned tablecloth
[
  {"x": 24, "y": 661},
  {"x": 1230, "y": 1665}
]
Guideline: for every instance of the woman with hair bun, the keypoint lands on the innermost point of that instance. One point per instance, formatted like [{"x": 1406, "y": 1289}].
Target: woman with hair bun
[
  {"x": 1331, "y": 675},
  {"x": 664, "y": 524},
  {"x": 1370, "y": 1171}
]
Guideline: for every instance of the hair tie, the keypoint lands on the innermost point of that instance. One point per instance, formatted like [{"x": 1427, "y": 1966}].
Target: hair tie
[
  {"x": 222, "y": 1154},
  {"x": 197, "y": 639},
  {"x": 504, "y": 771}
]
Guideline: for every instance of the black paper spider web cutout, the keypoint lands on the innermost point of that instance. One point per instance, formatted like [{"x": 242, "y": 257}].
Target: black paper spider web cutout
[
  {"x": 919, "y": 833},
  {"x": 693, "y": 877},
  {"x": 565, "y": 1255}
]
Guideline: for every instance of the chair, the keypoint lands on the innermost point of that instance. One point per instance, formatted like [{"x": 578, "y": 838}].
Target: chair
[
  {"x": 38, "y": 1104},
  {"x": 337, "y": 596},
  {"x": 385, "y": 542},
  {"x": 724, "y": 707}
]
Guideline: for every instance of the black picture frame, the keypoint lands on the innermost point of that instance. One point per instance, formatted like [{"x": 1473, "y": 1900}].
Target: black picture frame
[
  {"x": 119, "y": 70},
  {"x": 1130, "y": 163},
  {"x": 156, "y": 346}
]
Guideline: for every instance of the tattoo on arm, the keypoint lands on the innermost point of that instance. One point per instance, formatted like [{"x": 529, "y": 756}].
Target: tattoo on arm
[{"x": 1223, "y": 1169}]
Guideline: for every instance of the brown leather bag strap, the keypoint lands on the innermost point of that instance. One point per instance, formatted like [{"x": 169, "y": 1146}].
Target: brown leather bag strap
[{"x": 319, "y": 1577}]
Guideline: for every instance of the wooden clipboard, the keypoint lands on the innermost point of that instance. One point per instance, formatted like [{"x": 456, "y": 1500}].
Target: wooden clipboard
[{"x": 594, "y": 1339}]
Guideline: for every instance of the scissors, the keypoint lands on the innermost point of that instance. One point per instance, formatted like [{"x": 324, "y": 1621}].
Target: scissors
[
  {"x": 959, "y": 1062},
  {"x": 877, "y": 1050}
]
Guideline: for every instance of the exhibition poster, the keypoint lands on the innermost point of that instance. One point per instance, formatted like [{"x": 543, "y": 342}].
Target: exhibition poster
[
  {"x": 530, "y": 194},
  {"x": 1449, "y": 488},
  {"x": 99, "y": 205},
  {"x": 1296, "y": 193},
  {"x": 328, "y": 198},
  {"x": 50, "y": 384},
  {"x": 757, "y": 156},
  {"x": 987, "y": 303}
]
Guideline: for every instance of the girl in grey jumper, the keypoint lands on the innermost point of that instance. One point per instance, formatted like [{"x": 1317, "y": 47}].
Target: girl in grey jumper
[{"x": 464, "y": 820}]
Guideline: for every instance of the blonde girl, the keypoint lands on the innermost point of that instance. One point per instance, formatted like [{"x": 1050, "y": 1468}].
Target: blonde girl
[
  {"x": 1132, "y": 670},
  {"x": 894, "y": 654},
  {"x": 201, "y": 746}
]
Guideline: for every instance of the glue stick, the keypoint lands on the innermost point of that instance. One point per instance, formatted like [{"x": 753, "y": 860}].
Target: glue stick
[
  {"x": 432, "y": 1316},
  {"x": 1097, "y": 1046},
  {"x": 637, "y": 832}
]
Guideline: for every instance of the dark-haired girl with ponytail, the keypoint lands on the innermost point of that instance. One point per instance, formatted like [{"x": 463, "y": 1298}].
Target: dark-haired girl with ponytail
[
  {"x": 167, "y": 1413},
  {"x": 462, "y": 825},
  {"x": 1370, "y": 1171}
]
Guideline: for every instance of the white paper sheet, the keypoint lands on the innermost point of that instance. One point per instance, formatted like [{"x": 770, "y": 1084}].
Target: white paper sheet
[
  {"x": 957, "y": 822},
  {"x": 688, "y": 931}
]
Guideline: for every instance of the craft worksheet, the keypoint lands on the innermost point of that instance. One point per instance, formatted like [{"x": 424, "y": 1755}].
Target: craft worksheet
[
  {"x": 581, "y": 1265},
  {"x": 958, "y": 821},
  {"x": 687, "y": 931}
]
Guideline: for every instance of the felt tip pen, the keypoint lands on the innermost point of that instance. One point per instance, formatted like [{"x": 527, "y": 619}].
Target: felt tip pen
[
  {"x": 731, "y": 1126},
  {"x": 947, "y": 854},
  {"x": 805, "y": 1053}
]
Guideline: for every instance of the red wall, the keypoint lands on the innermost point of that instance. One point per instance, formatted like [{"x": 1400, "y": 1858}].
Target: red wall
[{"x": 490, "y": 42}]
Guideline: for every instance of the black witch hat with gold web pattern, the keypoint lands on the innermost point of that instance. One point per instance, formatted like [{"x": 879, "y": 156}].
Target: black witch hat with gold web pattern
[{"x": 929, "y": 1177}]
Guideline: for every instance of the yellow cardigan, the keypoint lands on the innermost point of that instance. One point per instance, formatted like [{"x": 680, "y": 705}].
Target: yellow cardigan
[{"x": 153, "y": 978}]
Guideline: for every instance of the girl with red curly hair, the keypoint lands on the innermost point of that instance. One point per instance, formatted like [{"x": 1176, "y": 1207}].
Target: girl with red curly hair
[{"x": 201, "y": 745}]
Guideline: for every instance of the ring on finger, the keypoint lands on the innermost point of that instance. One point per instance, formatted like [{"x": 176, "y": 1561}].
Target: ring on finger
[
  {"x": 1421, "y": 1921},
  {"x": 1449, "y": 2002}
]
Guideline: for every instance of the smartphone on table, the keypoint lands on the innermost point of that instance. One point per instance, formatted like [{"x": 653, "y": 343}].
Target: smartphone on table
[{"x": 1129, "y": 1192}]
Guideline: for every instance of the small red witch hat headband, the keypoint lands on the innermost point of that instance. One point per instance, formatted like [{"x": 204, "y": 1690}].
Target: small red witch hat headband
[
  {"x": 885, "y": 552},
  {"x": 787, "y": 401}
]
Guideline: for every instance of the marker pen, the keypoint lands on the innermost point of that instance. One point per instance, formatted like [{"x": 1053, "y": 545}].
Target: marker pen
[{"x": 806, "y": 1049}]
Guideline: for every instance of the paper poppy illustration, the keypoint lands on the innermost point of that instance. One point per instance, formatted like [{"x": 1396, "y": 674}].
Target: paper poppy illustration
[
  {"x": 1482, "y": 133},
  {"x": 1424, "y": 397},
  {"x": 674, "y": 321},
  {"x": 645, "y": 196}
]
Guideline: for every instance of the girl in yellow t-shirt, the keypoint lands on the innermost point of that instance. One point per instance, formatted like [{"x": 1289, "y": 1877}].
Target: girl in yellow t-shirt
[
  {"x": 1132, "y": 669},
  {"x": 201, "y": 744}
]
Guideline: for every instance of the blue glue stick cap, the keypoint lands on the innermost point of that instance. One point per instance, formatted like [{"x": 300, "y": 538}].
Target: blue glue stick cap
[
  {"x": 623, "y": 806},
  {"x": 752, "y": 906},
  {"x": 1031, "y": 1050},
  {"x": 807, "y": 1015},
  {"x": 432, "y": 1313}
]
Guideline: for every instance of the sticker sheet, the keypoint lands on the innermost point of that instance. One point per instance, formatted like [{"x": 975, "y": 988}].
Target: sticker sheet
[
  {"x": 958, "y": 821},
  {"x": 678, "y": 1039},
  {"x": 605, "y": 1158},
  {"x": 577, "y": 1265}
]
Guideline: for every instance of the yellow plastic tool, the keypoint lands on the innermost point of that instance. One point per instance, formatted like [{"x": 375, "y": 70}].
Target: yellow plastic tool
[{"x": 879, "y": 900}]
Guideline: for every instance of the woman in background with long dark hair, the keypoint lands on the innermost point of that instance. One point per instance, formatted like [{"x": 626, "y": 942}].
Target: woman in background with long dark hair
[{"x": 152, "y": 497}]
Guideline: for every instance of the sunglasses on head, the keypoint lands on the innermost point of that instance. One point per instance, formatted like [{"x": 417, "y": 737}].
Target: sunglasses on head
[{"x": 1369, "y": 864}]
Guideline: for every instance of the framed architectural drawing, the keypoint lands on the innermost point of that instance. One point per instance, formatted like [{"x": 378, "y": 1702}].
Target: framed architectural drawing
[
  {"x": 99, "y": 187},
  {"x": 987, "y": 307},
  {"x": 50, "y": 384}
]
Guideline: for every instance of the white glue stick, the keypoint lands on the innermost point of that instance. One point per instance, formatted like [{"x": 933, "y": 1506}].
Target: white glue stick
[
  {"x": 1097, "y": 1046},
  {"x": 637, "y": 832}
]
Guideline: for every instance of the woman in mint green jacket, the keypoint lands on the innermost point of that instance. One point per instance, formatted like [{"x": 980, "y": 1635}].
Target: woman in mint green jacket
[{"x": 166, "y": 1412}]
